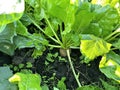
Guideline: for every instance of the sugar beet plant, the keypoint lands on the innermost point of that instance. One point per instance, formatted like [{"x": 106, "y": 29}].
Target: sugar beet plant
[{"x": 93, "y": 27}]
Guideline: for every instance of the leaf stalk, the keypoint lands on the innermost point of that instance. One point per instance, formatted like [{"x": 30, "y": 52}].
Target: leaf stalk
[{"x": 73, "y": 70}]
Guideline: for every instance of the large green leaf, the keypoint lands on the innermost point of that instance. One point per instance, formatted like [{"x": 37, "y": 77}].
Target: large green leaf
[
  {"x": 83, "y": 17},
  {"x": 7, "y": 48},
  {"x": 6, "y": 39},
  {"x": 27, "y": 81},
  {"x": 65, "y": 12},
  {"x": 10, "y": 10},
  {"x": 23, "y": 42},
  {"x": 5, "y": 74},
  {"x": 110, "y": 66},
  {"x": 107, "y": 18},
  {"x": 93, "y": 47},
  {"x": 9, "y": 33},
  {"x": 33, "y": 40},
  {"x": 95, "y": 19}
]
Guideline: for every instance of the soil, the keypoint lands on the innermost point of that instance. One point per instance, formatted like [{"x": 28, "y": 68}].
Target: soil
[{"x": 89, "y": 74}]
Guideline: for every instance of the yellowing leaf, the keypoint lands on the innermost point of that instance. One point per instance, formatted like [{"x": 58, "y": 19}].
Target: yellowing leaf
[
  {"x": 74, "y": 2},
  {"x": 110, "y": 66},
  {"x": 110, "y": 63},
  {"x": 117, "y": 71},
  {"x": 102, "y": 62},
  {"x": 94, "y": 47},
  {"x": 15, "y": 78}
]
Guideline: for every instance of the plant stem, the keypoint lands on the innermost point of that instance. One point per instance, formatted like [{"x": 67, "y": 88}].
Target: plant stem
[
  {"x": 73, "y": 70},
  {"x": 53, "y": 31},
  {"x": 72, "y": 47},
  {"x": 42, "y": 30},
  {"x": 113, "y": 37},
  {"x": 55, "y": 46},
  {"x": 113, "y": 49},
  {"x": 114, "y": 34},
  {"x": 109, "y": 36}
]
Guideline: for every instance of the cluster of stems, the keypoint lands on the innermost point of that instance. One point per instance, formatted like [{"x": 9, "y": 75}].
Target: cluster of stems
[{"x": 60, "y": 44}]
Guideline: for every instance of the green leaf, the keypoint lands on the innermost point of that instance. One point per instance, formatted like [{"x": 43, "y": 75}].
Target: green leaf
[
  {"x": 21, "y": 29},
  {"x": 27, "y": 81},
  {"x": 107, "y": 86},
  {"x": 54, "y": 22},
  {"x": 94, "y": 46},
  {"x": 8, "y": 34},
  {"x": 32, "y": 40},
  {"x": 90, "y": 87},
  {"x": 2, "y": 27},
  {"x": 107, "y": 18},
  {"x": 7, "y": 48},
  {"x": 6, "y": 39},
  {"x": 45, "y": 87},
  {"x": 61, "y": 85},
  {"x": 5, "y": 74},
  {"x": 36, "y": 53},
  {"x": 83, "y": 17},
  {"x": 71, "y": 39},
  {"x": 25, "y": 20},
  {"x": 10, "y": 11},
  {"x": 117, "y": 44},
  {"x": 60, "y": 6},
  {"x": 110, "y": 66},
  {"x": 23, "y": 42},
  {"x": 54, "y": 88},
  {"x": 65, "y": 12},
  {"x": 29, "y": 65},
  {"x": 35, "y": 7},
  {"x": 93, "y": 28}
]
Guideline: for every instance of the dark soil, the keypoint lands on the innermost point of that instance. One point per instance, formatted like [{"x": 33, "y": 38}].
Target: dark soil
[{"x": 89, "y": 74}]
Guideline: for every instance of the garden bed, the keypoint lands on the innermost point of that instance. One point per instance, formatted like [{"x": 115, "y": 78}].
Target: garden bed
[{"x": 60, "y": 45}]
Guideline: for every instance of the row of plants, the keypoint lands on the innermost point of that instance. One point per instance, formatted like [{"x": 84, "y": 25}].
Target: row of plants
[{"x": 91, "y": 27}]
